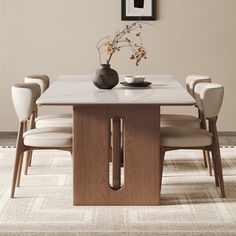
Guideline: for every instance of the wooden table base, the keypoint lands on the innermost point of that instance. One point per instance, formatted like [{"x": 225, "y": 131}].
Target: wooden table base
[{"x": 141, "y": 155}]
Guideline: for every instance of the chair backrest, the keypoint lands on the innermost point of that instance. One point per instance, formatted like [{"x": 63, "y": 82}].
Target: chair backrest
[
  {"x": 209, "y": 98},
  {"x": 42, "y": 80},
  {"x": 24, "y": 96},
  {"x": 193, "y": 80}
]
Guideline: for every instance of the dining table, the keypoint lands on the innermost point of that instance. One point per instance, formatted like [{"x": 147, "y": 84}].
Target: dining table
[{"x": 116, "y": 137}]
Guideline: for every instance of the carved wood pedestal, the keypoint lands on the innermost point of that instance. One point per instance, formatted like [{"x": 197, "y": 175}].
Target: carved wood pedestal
[{"x": 92, "y": 150}]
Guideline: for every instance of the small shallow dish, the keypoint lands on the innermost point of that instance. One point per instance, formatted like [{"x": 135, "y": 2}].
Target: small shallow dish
[
  {"x": 136, "y": 85},
  {"x": 134, "y": 79}
]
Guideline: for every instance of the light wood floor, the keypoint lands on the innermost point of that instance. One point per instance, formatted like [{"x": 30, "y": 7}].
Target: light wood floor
[{"x": 226, "y": 138}]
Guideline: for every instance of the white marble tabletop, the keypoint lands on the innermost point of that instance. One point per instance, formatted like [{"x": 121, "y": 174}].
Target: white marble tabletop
[{"x": 79, "y": 89}]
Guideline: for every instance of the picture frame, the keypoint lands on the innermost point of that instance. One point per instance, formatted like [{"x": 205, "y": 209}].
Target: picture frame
[{"x": 144, "y": 10}]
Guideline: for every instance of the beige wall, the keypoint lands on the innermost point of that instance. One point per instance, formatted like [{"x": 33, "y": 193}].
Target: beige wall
[{"x": 59, "y": 37}]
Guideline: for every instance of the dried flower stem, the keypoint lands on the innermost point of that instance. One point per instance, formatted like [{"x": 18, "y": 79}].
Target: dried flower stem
[
  {"x": 113, "y": 45},
  {"x": 100, "y": 46},
  {"x": 109, "y": 59}
]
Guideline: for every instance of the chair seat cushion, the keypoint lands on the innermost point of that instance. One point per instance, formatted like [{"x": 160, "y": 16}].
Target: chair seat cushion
[
  {"x": 168, "y": 120},
  {"x": 48, "y": 137},
  {"x": 185, "y": 137},
  {"x": 61, "y": 120}
]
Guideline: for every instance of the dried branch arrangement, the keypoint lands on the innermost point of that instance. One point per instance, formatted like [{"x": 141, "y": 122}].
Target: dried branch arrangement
[{"x": 130, "y": 37}]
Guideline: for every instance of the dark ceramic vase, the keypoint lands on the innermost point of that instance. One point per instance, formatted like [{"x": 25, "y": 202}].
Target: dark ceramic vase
[
  {"x": 105, "y": 77},
  {"x": 139, "y": 3}
]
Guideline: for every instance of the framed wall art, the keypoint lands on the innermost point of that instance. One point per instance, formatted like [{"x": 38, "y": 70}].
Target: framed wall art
[{"x": 138, "y": 10}]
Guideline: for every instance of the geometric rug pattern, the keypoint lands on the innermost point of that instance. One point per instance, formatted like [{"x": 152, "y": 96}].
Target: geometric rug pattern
[{"x": 190, "y": 202}]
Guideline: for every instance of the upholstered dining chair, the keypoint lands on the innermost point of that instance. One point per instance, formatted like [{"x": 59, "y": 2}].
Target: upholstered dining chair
[
  {"x": 44, "y": 121},
  {"x": 209, "y": 97},
  {"x": 179, "y": 120},
  {"x": 58, "y": 120},
  {"x": 24, "y": 98},
  {"x": 169, "y": 120}
]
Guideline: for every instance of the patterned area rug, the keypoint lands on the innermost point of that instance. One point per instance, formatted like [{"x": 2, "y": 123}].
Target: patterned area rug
[{"x": 191, "y": 204}]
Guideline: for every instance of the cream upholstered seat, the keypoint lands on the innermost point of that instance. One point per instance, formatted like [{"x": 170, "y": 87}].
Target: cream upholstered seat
[
  {"x": 61, "y": 120},
  {"x": 187, "y": 137},
  {"x": 168, "y": 120},
  {"x": 48, "y": 137},
  {"x": 24, "y": 98},
  {"x": 209, "y": 97}
]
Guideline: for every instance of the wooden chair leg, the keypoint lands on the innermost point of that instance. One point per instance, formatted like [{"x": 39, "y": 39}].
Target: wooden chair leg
[
  {"x": 215, "y": 168},
  {"x": 217, "y": 157},
  {"x": 216, "y": 152},
  {"x": 205, "y": 159},
  {"x": 213, "y": 148},
  {"x": 71, "y": 155},
  {"x": 15, "y": 173},
  {"x": 28, "y": 158},
  {"x": 162, "y": 156},
  {"x": 31, "y": 126},
  {"x": 220, "y": 172},
  {"x": 208, "y": 161},
  {"x": 206, "y": 154},
  {"x": 21, "y": 159},
  {"x": 19, "y": 153},
  {"x": 20, "y": 170}
]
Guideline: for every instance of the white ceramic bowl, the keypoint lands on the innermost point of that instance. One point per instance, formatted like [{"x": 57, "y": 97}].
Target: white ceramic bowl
[{"x": 134, "y": 79}]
